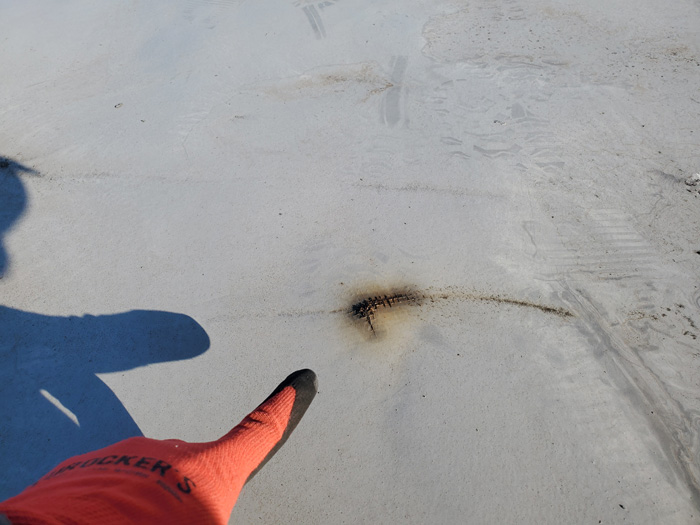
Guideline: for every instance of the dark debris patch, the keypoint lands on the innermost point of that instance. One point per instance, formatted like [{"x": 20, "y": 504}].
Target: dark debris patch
[
  {"x": 367, "y": 308},
  {"x": 368, "y": 305}
]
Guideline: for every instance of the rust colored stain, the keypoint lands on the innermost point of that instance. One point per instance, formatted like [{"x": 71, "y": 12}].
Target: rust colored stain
[{"x": 367, "y": 308}]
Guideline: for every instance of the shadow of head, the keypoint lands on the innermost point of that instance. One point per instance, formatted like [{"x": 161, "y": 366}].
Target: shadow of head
[
  {"x": 52, "y": 403},
  {"x": 13, "y": 199}
]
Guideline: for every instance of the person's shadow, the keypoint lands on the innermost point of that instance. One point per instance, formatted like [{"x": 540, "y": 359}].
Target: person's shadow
[{"x": 52, "y": 405}]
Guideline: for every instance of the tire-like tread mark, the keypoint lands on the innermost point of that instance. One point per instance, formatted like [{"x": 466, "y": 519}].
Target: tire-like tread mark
[{"x": 315, "y": 21}]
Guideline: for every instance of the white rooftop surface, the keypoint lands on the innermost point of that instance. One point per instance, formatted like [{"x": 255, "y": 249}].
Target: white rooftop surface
[{"x": 206, "y": 186}]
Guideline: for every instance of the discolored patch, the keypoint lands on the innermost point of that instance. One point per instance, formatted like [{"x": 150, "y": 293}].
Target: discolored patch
[
  {"x": 366, "y": 309},
  {"x": 376, "y": 307}
]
